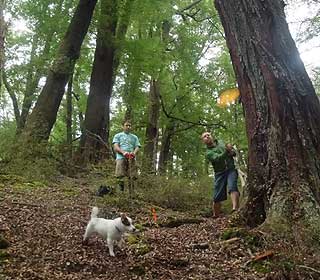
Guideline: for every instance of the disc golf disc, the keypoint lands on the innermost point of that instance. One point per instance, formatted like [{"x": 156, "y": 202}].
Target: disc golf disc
[{"x": 228, "y": 97}]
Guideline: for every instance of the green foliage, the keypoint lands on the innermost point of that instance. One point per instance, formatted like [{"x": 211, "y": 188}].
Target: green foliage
[
  {"x": 24, "y": 163},
  {"x": 262, "y": 267},
  {"x": 176, "y": 193},
  {"x": 252, "y": 238},
  {"x": 4, "y": 257},
  {"x": 282, "y": 264},
  {"x": 139, "y": 244},
  {"x": 178, "y": 58},
  {"x": 7, "y": 138}
]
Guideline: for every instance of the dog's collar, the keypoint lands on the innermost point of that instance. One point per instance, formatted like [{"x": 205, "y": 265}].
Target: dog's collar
[{"x": 118, "y": 229}]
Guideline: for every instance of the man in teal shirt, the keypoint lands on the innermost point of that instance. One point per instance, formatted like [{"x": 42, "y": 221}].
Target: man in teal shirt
[
  {"x": 225, "y": 173},
  {"x": 126, "y": 146}
]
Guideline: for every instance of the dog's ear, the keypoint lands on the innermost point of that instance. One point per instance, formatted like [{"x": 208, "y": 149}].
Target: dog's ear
[{"x": 125, "y": 220}]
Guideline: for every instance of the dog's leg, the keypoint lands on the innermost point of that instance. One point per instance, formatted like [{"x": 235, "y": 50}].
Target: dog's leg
[
  {"x": 121, "y": 243},
  {"x": 89, "y": 231},
  {"x": 110, "y": 246}
]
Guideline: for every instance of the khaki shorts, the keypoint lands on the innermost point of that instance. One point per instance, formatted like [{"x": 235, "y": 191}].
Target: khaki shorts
[{"x": 125, "y": 167}]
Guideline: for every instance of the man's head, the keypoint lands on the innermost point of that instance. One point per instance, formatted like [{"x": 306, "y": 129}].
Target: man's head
[
  {"x": 207, "y": 138},
  {"x": 126, "y": 125}
]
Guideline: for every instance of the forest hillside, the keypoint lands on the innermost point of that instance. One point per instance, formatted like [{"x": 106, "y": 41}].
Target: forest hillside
[{"x": 43, "y": 225}]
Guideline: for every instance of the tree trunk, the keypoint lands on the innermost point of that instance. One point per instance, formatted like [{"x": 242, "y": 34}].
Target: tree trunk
[
  {"x": 111, "y": 32},
  {"x": 282, "y": 115},
  {"x": 12, "y": 95},
  {"x": 43, "y": 116},
  {"x": 151, "y": 140},
  {"x": 33, "y": 78},
  {"x": 69, "y": 117},
  {"x": 2, "y": 36},
  {"x": 94, "y": 140},
  {"x": 166, "y": 146}
]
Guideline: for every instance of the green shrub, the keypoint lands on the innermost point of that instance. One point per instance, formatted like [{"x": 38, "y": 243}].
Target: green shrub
[
  {"x": 7, "y": 138},
  {"x": 176, "y": 193}
]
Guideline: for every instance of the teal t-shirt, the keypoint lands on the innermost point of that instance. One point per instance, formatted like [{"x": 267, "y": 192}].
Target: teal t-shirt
[{"x": 126, "y": 141}]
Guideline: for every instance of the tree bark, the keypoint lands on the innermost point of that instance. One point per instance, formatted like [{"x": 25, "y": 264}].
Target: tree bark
[
  {"x": 2, "y": 37},
  {"x": 282, "y": 115},
  {"x": 12, "y": 95},
  {"x": 69, "y": 116},
  {"x": 93, "y": 145},
  {"x": 43, "y": 116},
  {"x": 151, "y": 139},
  {"x": 111, "y": 32},
  {"x": 164, "y": 155}
]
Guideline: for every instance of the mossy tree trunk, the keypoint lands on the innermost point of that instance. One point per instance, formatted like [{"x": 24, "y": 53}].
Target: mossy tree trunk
[
  {"x": 43, "y": 116},
  {"x": 282, "y": 115}
]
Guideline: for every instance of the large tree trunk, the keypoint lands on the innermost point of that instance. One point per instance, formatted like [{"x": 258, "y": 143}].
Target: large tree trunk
[
  {"x": 151, "y": 141},
  {"x": 282, "y": 115},
  {"x": 94, "y": 139},
  {"x": 2, "y": 36},
  {"x": 166, "y": 140},
  {"x": 43, "y": 116},
  {"x": 111, "y": 31}
]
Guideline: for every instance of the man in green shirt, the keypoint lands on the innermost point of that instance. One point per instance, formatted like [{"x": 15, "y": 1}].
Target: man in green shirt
[{"x": 225, "y": 173}]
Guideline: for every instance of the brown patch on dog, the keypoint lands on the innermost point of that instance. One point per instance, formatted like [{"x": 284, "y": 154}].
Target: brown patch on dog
[{"x": 125, "y": 220}]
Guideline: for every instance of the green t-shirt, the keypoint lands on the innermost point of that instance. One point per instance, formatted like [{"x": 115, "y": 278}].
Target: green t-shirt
[{"x": 219, "y": 157}]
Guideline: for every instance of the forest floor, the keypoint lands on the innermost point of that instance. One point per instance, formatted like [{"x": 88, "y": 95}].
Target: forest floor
[{"x": 44, "y": 226}]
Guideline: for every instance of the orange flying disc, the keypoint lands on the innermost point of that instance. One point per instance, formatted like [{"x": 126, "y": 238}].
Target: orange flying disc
[{"x": 228, "y": 97}]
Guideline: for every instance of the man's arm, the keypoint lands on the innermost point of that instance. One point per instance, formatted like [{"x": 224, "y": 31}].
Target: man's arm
[
  {"x": 231, "y": 151},
  {"x": 137, "y": 145},
  {"x": 118, "y": 149},
  {"x": 136, "y": 150},
  {"x": 217, "y": 154}
]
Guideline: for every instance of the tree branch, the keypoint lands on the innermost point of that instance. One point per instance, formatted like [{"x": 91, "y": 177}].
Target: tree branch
[
  {"x": 12, "y": 96},
  {"x": 189, "y": 6},
  {"x": 199, "y": 123}
]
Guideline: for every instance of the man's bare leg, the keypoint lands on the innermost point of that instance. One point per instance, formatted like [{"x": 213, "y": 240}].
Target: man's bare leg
[
  {"x": 216, "y": 209},
  {"x": 235, "y": 200}
]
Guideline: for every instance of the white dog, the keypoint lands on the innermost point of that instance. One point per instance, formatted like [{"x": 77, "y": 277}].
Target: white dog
[{"x": 110, "y": 230}]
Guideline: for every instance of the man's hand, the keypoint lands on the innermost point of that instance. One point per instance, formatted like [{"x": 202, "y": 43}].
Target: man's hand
[
  {"x": 230, "y": 150},
  {"x": 129, "y": 155}
]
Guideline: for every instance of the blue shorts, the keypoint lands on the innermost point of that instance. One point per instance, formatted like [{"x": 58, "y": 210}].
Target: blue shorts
[{"x": 222, "y": 181}]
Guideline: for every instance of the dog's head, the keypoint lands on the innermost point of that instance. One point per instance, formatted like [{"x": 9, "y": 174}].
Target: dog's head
[{"x": 127, "y": 223}]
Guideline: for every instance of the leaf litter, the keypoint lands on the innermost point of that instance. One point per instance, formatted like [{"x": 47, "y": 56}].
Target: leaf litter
[{"x": 45, "y": 228}]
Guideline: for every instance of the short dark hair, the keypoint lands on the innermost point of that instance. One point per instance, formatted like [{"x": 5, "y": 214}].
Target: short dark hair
[{"x": 126, "y": 121}]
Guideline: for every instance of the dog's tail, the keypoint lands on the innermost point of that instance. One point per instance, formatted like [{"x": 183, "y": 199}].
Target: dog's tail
[{"x": 94, "y": 213}]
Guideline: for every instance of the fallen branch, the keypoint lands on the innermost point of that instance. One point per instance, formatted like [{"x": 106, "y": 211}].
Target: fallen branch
[
  {"x": 201, "y": 246},
  {"x": 231, "y": 240},
  {"x": 309, "y": 268},
  {"x": 263, "y": 256},
  {"x": 179, "y": 222}
]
